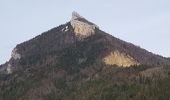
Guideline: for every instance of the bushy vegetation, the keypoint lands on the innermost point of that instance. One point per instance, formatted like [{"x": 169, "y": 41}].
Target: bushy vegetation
[
  {"x": 110, "y": 83},
  {"x": 89, "y": 51}
]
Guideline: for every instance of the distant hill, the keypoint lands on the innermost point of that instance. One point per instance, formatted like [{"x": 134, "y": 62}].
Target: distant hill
[{"x": 78, "y": 61}]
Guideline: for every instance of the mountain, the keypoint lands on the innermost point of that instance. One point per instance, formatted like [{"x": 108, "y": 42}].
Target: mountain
[{"x": 72, "y": 60}]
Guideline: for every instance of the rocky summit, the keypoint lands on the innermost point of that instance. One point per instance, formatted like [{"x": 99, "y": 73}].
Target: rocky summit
[
  {"x": 82, "y": 27},
  {"x": 78, "y": 61}
]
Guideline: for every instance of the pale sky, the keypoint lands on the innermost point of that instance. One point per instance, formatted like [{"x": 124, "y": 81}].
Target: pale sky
[{"x": 145, "y": 23}]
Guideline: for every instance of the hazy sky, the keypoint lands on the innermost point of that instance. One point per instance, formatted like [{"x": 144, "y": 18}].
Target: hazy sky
[{"x": 145, "y": 23}]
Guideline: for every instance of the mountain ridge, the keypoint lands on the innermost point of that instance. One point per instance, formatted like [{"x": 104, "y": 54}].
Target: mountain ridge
[
  {"x": 71, "y": 63},
  {"x": 67, "y": 34}
]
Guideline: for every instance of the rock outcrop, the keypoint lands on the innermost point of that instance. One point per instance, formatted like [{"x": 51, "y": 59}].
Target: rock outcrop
[
  {"x": 81, "y": 26},
  {"x": 8, "y": 67},
  {"x": 15, "y": 55},
  {"x": 120, "y": 59}
]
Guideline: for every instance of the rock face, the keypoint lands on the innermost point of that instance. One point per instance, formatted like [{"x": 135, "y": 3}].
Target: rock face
[
  {"x": 15, "y": 55},
  {"x": 9, "y": 69},
  {"x": 120, "y": 59},
  {"x": 81, "y": 26}
]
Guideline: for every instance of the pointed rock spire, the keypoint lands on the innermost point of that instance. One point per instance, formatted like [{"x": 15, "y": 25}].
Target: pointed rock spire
[
  {"x": 82, "y": 27},
  {"x": 75, "y": 15}
]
